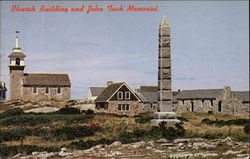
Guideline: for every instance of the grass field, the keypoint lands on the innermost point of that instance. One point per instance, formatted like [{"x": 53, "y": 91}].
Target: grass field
[{"x": 27, "y": 132}]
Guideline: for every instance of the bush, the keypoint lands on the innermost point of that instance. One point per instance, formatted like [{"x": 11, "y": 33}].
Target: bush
[
  {"x": 89, "y": 112},
  {"x": 143, "y": 119},
  {"x": 171, "y": 132},
  {"x": 182, "y": 119},
  {"x": 247, "y": 128},
  {"x": 88, "y": 144},
  {"x": 33, "y": 120},
  {"x": 11, "y": 112},
  {"x": 223, "y": 122},
  {"x": 69, "y": 133},
  {"x": 7, "y": 151},
  {"x": 68, "y": 110}
]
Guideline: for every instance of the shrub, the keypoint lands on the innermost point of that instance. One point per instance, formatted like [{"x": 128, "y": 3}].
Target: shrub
[
  {"x": 89, "y": 112},
  {"x": 68, "y": 110},
  {"x": 143, "y": 119},
  {"x": 182, "y": 119},
  {"x": 7, "y": 151},
  {"x": 172, "y": 132},
  {"x": 33, "y": 120},
  {"x": 11, "y": 112},
  {"x": 247, "y": 128},
  {"x": 69, "y": 133},
  {"x": 223, "y": 122},
  {"x": 88, "y": 144}
]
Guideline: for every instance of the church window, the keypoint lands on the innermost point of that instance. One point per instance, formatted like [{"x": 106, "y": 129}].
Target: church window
[
  {"x": 127, "y": 95},
  {"x": 35, "y": 90},
  {"x": 120, "y": 95},
  {"x": 18, "y": 61},
  {"x": 46, "y": 90},
  {"x": 59, "y": 90}
]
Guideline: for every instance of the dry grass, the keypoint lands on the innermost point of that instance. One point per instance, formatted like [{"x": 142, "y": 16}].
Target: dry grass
[{"x": 194, "y": 127}]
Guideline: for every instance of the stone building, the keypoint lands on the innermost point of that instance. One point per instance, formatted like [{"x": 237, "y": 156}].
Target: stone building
[
  {"x": 35, "y": 86},
  {"x": 118, "y": 98},
  {"x": 213, "y": 100},
  {"x": 3, "y": 90}
]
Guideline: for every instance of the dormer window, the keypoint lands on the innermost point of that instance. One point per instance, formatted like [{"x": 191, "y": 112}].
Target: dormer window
[
  {"x": 120, "y": 95},
  {"x": 127, "y": 95},
  {"x": 18, "y": 61}
]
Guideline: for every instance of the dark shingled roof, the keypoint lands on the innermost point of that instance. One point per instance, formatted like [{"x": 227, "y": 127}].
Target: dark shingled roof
[
  {"x": 199, "y": 94},
  {"x": 33, "y": 79},
  {"x": 148, "y": 88},
  {"x": 17, "y": 54},
  {"x": 108, "y": 92},
  {"x": 151, "y": 97},
  {"x": 96, "y": 91},
  {"x": 243, "y": 95}
]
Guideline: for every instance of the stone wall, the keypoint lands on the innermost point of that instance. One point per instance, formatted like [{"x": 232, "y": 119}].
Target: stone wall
[
  {"x": 230, "y": 104},
  {"x": 28, "y": 95},
  {"x": 15, "y": 84},
  {"x": 199, "y": 105}
]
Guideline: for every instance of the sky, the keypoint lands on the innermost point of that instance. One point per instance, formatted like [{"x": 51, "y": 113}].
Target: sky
[{"x": 209, "y": 43}]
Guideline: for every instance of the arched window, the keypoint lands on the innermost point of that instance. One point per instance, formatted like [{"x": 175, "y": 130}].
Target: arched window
[{"x": 18, "y": 61}]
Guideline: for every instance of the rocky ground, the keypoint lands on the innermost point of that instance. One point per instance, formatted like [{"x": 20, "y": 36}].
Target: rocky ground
[{"x": 179, "y": 148}]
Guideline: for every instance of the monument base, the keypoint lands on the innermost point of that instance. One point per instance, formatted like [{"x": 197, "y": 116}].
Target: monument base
[{"x": 169, "y": 117}]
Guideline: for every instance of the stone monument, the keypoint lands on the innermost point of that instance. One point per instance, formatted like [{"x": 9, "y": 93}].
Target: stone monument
[{"x": 165, "y": 113}]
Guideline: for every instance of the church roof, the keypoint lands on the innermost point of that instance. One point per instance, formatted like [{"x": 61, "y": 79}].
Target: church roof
[
  {"x": 96, "y": 91},
  {"x": 36, "y": 79},
  {"x": 243, "y": 95},
  {"x": 17, "y": 54},
  {"x": 108, "y": 92},
  {"x": 199, "y": 94}
]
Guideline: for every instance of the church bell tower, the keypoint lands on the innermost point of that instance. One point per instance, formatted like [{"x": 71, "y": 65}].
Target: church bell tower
[{"x": 16, "y": 66}]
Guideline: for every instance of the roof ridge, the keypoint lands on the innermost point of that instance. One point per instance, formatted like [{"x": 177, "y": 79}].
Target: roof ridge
[{"x": 47, "y": 73}]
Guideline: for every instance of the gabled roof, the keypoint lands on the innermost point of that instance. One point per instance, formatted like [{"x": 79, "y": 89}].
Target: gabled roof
[
  {"x": 199, "y": 94},
  {"x": 96, "y": 91},
  {"x": 243, "y": 95},
  {"x": 33, "y": 79},
  {"x": 108, "y": 92},
  {"x": 17, "y": 54}
]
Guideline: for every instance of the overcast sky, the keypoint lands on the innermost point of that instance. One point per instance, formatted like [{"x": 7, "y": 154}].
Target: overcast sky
[{"x": 209, "y": 43}]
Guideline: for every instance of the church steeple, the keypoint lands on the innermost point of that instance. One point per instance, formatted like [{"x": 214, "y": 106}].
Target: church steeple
[
  {"x": 16, "y": 66},
  {"x": 17, "y": 57},
  {"x": 17, "y": 48}
]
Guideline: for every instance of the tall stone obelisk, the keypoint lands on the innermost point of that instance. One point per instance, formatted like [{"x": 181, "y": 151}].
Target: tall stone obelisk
[
  {"x": 164, "y": 66},
  {"x": 166, "y": 113}
]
